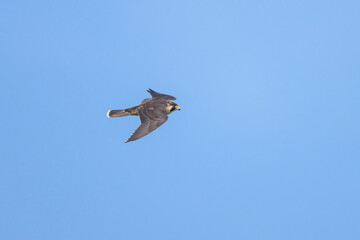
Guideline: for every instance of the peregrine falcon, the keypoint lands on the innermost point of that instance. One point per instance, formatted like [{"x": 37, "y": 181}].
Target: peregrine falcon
[{"x": 152, "y": 112}]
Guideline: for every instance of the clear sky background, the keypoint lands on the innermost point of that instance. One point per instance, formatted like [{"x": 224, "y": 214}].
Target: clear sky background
[{"x": 266, "y": 145}]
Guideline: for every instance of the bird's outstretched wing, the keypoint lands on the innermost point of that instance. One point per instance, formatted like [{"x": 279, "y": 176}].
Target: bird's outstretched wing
[
  {"x": 151, "y": 118},
  {"x": 160, "y": 95}
]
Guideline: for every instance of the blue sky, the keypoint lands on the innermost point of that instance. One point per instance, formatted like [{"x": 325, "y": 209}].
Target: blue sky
[{"x": 266, "y": 145}]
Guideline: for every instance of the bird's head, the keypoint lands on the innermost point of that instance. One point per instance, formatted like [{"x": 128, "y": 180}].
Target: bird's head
[{"x": 171, "y": 107}]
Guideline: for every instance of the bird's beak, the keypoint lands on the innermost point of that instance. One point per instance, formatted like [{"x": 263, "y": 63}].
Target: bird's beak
[{"x": 178, "y": 108}]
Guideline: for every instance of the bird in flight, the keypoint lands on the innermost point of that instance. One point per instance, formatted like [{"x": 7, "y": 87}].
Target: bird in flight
[{"x": 152, "y": 112}]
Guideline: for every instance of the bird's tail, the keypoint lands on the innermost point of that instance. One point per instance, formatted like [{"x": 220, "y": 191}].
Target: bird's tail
[{"x": 117, "y": 113}]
